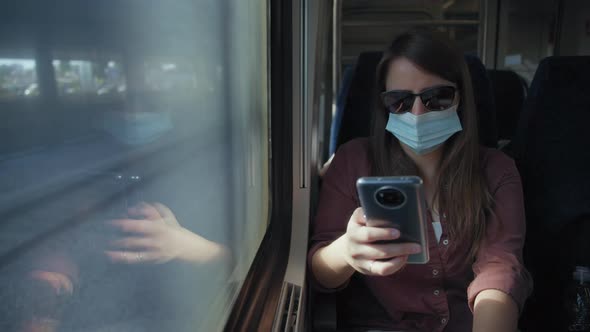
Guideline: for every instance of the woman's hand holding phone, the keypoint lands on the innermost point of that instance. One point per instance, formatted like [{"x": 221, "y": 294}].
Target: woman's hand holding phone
[{"x": 366, "y": 252}]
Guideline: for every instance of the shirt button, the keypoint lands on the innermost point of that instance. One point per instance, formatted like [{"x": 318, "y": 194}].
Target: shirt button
[
  {"x": 443, "y": 321},
  {"x": 435, "y": 272},
  {"x": 446, "y": 242},
  {"x": 436, "y": 292}
]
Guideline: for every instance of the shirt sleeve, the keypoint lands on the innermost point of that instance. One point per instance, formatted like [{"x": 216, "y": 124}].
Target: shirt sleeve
[
  {"x": 499, "y": 263},
  {"x": 336, "y": 204}
]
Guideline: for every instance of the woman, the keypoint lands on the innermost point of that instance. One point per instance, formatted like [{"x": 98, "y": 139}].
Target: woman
[{"x": 425, "y": 124}]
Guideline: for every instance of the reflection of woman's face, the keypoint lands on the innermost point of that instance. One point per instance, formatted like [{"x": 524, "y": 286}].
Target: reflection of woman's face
[{"x": 403, "y": 74}]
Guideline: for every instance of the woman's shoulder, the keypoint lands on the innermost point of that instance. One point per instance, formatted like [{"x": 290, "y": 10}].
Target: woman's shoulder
[
  {"x": 352, "y": 158},
  {"x": 494, "y": 157},
  {"x": 354, "y": 146},
  {"x": 497, "y": 165}
]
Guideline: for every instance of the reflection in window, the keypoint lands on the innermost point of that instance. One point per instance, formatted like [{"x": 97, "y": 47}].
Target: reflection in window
[
  {"x": 18, "y": 77},
  {"x": 169, "y": 75},
  {"x": 144, "y": 212},
  {"x": 102, "y": 78}
]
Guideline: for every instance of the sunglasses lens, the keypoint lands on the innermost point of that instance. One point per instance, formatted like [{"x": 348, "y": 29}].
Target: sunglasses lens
[
  {"x": 438, "y": 99},
  {"x": 397, "y": 102}
]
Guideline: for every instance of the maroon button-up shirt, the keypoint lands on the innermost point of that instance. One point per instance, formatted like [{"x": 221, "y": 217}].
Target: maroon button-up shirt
[{"x": 439, "y": 295}]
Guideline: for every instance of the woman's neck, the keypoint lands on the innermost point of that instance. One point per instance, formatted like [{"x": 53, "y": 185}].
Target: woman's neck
[
  {"x": 428, "y": 170},
  {"x": 427, "y": 163}
]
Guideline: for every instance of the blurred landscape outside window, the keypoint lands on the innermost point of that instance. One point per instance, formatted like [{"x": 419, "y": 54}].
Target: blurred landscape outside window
[{"x": 18, "y": 78}]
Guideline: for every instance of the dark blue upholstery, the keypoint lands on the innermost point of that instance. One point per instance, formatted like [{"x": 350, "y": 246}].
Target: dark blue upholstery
[
  {"x": 356, "y": 113},
  {"x": 553, "y": 155},
  {"x": 340, "y": 104},
  {"x": 552, "y": 145},
  {"x": 509, "y": 93},
  {"x": 484, "y": 102},
  {"x": 355, "y": 117}
]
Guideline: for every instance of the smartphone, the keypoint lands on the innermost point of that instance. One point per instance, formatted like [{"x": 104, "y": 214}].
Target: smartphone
[
  {"x": 397, "y": 202},
  {"x": 114, "y": 192}
]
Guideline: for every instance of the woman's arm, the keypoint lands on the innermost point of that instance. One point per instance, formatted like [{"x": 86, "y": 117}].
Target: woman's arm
[
  {"x": 502, "y": 283},
  {"x": 329, "y": 266},
  {"x": 494, "y": 311}
]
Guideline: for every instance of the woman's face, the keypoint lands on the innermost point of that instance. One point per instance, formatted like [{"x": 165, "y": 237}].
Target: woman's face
[{"x": 403, "y": 74}]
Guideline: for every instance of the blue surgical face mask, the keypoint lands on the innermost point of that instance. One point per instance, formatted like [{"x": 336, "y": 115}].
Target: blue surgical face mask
[
  {"x": 136, "y": 128},
  {"x": 426, "y": 132}
]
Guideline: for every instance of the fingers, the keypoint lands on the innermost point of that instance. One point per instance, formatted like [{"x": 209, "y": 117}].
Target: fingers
[
  {"x": 385, "y": 251},
  {"x": 358, "y": 217},
  {"x": 167, "y": 214},
  {"x": 130, "y": 257},
  {"x": 163, "y": 210},
  {"x": 359, "y": 231},
  {"x": 135, "y": 226},
  {"x": 367, "y": 255},
  {"x": 134, "y": 243},
  {"x": 369, "y": 234},
  {"x": 144, "y": 210},
  {"x": 387, "y": 267}
]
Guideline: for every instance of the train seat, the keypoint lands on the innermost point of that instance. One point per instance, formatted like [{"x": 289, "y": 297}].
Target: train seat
[
  {"x": 551, "y": 150},
  {"x": 509, "y": 94}
]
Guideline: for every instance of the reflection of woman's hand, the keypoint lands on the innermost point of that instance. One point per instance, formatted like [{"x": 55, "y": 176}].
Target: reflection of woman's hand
[{"x": 157, "y": 237}]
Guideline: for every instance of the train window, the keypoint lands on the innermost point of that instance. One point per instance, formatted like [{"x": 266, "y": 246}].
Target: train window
[
  {"x": 526, "y": 35},
  {"x": 18, "y": 78},
  {"x": 172, "y": 74},
  {"x": 143, "y": 212},
  {"x": 370, "y": 26},
  {"x": 89, "y": 78}
]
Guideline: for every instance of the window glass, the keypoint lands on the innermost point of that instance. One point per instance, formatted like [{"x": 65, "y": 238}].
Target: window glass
[
  {"x": 371, "y": 26},
  {"x": 18, "y": 78},
  {"x": 171, "y": 74},
  {"x": 526, "y": 35},
  {"x": 144, "y": 211},
  {"x": 92, "y": 78}
]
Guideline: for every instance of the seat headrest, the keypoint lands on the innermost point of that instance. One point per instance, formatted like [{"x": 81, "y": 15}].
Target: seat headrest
[
  {"x": 356, "y": 117},
  {"x": 509, "y": 94},
  {"x": 553, "y": 139},
  {"x": 484, "y": 102}
]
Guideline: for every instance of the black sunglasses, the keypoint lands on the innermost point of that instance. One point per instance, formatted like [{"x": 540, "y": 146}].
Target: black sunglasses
[{"x": 438, "y": 98}]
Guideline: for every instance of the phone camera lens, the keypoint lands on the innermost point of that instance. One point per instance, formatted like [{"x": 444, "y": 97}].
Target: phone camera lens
[{"x": 390, "y": 197}]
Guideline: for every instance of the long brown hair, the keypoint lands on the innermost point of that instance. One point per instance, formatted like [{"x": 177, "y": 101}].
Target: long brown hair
[{"x": 461, "y": 191}]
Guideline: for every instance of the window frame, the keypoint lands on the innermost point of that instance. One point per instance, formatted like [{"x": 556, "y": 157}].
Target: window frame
[{"x": 254, "y": 308}]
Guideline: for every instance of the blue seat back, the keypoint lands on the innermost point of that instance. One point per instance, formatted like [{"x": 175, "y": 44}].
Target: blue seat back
[
  {"x": 355, "y": 114},
  {"x": 484, "y": 102},
  {"x": 551, "y": 147},
  {"x": 509, "y": 94},
  {"x": 340, "y": 104}
]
